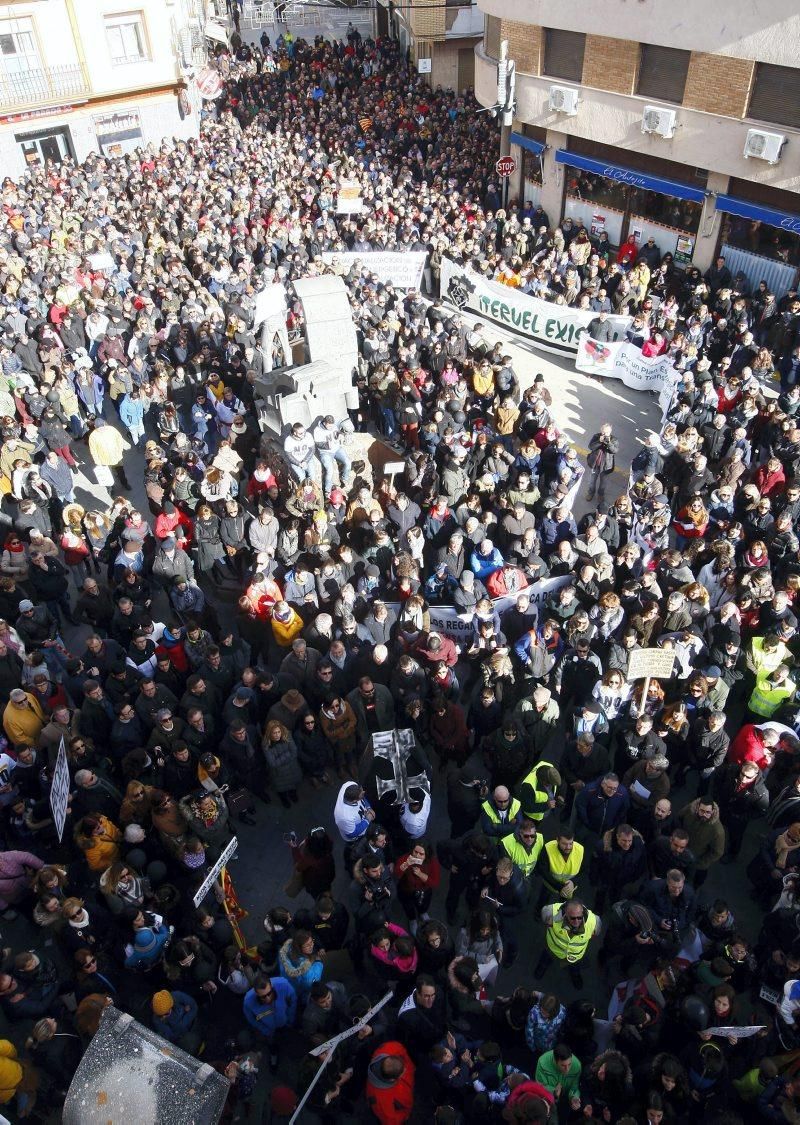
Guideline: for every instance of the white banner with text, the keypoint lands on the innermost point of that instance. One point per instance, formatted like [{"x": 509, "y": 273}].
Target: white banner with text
[
  {"x": 624, "y": 361},
  {"x": 403, "y": 270},
  {"x": 458, "y": 626},
  {"x": 555, "y": 328}
]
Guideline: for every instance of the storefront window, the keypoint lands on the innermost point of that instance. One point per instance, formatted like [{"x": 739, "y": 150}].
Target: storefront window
[
  {"x": 531, "y": 168},
  {"x": 760, "y": 238},
  {"x": 683, "y": 214},
  {"x": 595, "y": 189}
]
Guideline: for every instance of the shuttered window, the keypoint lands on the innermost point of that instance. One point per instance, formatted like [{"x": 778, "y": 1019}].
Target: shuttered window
[
  {"x": 662, "y": 73},
  {"x": 563, "y": 54},
  {"x": 776, "y": 95},
  {"x": 491, "y": 38}
]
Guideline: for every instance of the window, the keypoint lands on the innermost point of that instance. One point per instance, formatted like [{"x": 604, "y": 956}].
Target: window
[
  {"x": 563, "y": 54},
  {"x": 18, "y": 53},
  {"x": 126, "y": 38},
  {"x": 662, "y": 73},
  {"x": 491, "y": 38},
  {"x": 776, "y": 95}
]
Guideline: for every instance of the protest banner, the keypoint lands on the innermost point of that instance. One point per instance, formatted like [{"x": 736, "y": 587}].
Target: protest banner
[
  {"x": 403, "y": 270},
  {"x": 624, "y": 361},
  {"x": 737, "y": 1032},
  {"x": 554, "y": 328},
  {"x": 445, "y": 619}
]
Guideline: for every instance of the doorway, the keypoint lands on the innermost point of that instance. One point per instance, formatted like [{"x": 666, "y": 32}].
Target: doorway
[{"x": 46, "y": 145}]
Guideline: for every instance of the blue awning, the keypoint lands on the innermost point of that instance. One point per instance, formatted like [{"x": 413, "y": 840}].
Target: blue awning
[
  {"x": 525, "y": 142},
  {"x": 783, "y": 219},
  {"x": 630, "y": 177}
]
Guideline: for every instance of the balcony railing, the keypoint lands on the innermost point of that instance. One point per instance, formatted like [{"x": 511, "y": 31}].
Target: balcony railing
[{"x": 47, "y": 85}]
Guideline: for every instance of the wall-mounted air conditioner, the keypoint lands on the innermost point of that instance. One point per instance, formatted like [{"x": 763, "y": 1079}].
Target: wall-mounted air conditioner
[
  {"x": 564, "y": 99},
  {"x": 659, "y": 121},
  {"x": 763, "y": 145}
]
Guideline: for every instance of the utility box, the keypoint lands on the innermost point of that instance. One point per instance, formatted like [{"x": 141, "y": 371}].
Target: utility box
[{"x": 131, "y": 1076}]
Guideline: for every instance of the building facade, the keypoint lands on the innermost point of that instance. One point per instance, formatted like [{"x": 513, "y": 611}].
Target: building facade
[
  {"x": 440, "y": 35},
  {"x": 677, "y": 120},
  {"x": 81, "y": 76}
]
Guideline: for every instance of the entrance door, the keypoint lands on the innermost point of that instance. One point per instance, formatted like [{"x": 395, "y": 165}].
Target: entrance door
[
  {"x": 47, "y": 144},
  {"x": 466, "y": 68}
]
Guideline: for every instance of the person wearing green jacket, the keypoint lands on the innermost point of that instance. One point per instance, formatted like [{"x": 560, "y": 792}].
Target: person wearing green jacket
[{"x": 559, "y": 1071}]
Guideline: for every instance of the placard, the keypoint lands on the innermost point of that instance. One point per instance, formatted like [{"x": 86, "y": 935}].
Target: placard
[
  {"x": 348, "y": 197},
  {"x": 651, "y": 662},
  {"x": 59, "y": 790},
  {"x": 211, "y": 878}
]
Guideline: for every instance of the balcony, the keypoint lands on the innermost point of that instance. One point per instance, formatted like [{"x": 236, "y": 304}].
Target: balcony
[{"x": 45, "y": 86}]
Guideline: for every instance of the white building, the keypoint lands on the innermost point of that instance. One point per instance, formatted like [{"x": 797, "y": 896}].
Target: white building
[{"x": 81, "y": 76}]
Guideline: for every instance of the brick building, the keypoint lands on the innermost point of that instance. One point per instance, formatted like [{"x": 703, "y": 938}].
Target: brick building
[
  {"x": 440, "y": 36},
  {"x": 679, "y": 121}
]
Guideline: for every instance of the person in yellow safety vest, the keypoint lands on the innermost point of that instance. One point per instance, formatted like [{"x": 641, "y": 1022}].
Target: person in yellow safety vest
[
  {"x": 538, "y": 791},
  {"x": 570, "y": 928},
  {"x": 500, "y": 814},
  {"x": 770, "y": 692},
  {"x": 523, "y": 846},
  {"x": 766, "y": 653},
  {"x": 559, "y": 865}
]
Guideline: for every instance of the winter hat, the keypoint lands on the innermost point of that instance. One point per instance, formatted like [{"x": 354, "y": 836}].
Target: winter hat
[
  {"x": 162, "y": 1003},
  {"x": 542, "y": 696},
  {"x": 144, "y": 941}
]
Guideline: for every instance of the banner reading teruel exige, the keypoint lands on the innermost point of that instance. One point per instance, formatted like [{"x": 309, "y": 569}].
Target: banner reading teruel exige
[
  {"x": 624, "y": 361},
  {"x": 555, "y": 328}
]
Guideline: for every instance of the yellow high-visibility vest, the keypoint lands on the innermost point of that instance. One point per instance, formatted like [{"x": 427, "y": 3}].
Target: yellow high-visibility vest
[
  {"x": 564, "y": 943},
  {"x": 493, "y": 814},
  {"x": 563, "y": 868},
  {"x": 524, "y": 859},
  {"x": 532, "y": 779}
]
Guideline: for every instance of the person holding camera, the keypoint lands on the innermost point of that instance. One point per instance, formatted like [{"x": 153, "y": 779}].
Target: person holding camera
[{"x": 601, "y": 461}]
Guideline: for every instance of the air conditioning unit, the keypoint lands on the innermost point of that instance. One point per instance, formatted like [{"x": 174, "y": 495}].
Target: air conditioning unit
[
  {"x": 659, "y": 121},
  {"x": 564, "y": 99},
  {"x": 764, "y": 146}
]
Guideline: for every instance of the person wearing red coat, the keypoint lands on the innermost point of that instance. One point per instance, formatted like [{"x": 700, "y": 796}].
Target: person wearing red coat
[
  {"x": 448, "y": 727},
  {"x": 435, "y": 649},
  {"x": 770, "y": 479},
  {"x": 754, "y": 745},
  {"x": 508, "y": 580},
  {"x": 390, "y": 1083}
]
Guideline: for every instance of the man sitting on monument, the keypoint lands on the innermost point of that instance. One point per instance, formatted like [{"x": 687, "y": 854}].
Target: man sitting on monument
[{"x": 328, "y": 439}]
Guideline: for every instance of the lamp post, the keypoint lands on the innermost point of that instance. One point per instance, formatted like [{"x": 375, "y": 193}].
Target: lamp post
[{"x": 506, "y": 104}]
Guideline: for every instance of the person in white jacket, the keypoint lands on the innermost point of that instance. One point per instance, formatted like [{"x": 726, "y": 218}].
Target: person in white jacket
[{"x": 299, "y": 449}]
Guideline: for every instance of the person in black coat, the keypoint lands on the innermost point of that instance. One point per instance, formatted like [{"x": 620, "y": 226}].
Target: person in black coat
[
  {"x": 422, "y": 1019},
  {"x": 618, "y": 864},
  {"x": 10, "y": 672},
  {"x": 742, "y": 796}
]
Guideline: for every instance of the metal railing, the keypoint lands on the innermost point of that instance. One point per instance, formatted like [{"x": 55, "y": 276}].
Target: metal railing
[
  {"x": 43, "y": 86},
  {"x": 257, "y": 14}
]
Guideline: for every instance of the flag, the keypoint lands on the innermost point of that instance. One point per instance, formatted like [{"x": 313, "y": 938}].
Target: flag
[
  {"x": 365, "y": 123},
  {"x": 235, "y": 912}
]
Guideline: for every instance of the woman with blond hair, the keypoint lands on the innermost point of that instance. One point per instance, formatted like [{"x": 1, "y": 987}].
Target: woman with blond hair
[{"x": 283, "y": 764}]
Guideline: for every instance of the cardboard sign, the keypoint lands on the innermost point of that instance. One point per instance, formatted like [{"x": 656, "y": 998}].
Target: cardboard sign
[
  {"x": 651, "y": 662},
  {"x": 402, "y": 269}
]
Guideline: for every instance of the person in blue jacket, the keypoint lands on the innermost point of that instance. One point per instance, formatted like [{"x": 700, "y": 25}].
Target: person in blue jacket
[
  {"x": 270, "y": 1005},
  {"x": 174, "y": 1016},
  {"x": 131, "y": 412},
  {"x": 148, "y": 948}
]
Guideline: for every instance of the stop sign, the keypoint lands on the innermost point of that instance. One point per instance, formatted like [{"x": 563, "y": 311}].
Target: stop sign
[{"x": 505, "y": 166}]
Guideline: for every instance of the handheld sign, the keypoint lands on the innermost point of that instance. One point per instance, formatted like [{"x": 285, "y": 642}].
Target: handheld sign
[{"x": 211, "y": 878}]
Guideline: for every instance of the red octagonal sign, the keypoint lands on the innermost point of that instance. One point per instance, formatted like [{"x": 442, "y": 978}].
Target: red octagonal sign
[{"x": 505, "y": 166}]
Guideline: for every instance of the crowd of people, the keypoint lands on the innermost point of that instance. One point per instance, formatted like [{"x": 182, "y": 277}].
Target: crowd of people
[{"x": 238, "y": 638}]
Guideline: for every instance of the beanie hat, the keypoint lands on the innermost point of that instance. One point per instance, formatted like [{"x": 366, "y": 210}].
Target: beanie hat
[{"x": 162, "y": 1003}]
